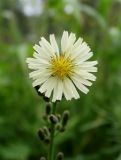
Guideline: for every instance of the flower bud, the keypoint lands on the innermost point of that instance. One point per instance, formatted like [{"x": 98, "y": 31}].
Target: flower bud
[
  {"x": 47, "y": 140},
  {"x": 58, "y": 126},
  {"x": 65, "y": 118},
  {"x": 41, "y": 134},
  {"x": 48, "y": 108},
  {"x": 53, "y": 119},
  {"x": 62, "y": 129},
  {"x": 60, "y": 156},
  {"x": 59, "y": 117},
  {"x": 46, "y": 131}
]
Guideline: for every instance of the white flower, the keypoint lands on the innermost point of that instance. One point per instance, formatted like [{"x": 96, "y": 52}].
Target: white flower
[{"x": 60, "y": 72}]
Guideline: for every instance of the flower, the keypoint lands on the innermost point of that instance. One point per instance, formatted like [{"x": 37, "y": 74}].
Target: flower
[{"x": 60, "y": 72}]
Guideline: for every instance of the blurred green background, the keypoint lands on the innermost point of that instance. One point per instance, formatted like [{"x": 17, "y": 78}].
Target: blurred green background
[{"x": 94, "y": 129}]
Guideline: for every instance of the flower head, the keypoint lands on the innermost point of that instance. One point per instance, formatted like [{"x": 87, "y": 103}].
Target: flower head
[{"x": 62, "y": 72}]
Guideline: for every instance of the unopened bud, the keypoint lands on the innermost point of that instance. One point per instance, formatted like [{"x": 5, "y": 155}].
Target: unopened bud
[
  {"x": 62, "y": 129},
  {"x": 53, "y": 119},
  {"x": 58, "y": 126},
  {"x": 48, "y": 108},
  {"x": 41, "y": 134},
  {"x": 59, "y": 117},
  {"x": 60, "y": 156},
  {"x": 47, "y": 140},
  {"x": 65, "y": 118},
  {"x": 46, "y": 131}
]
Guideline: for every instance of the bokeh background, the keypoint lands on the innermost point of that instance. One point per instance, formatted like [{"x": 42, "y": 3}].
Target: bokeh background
[{"x": 94, "y": 129}]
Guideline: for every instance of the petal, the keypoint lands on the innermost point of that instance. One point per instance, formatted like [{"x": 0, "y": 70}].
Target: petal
[
  {"x": 64, "y": 41},
  {"x": 80, "y": 59},
  {"x": 69, "y": 45},
  {"x": 80, "y": 51},
  {"x": 39, "y": 73},
  {"x": 58, "y": 90},
  {"x": 48, "y": 86},
  {"x": 46, "y": 46},
  {"x": 40, "y": 80},
  {"x": 77, "y": 43},
  {"x": 79, "y": 85},
  {"x": 36, "y": 61},
  {"x": 36, "y": 66},
  {"x": 66, "y": 93},
  {"x": 86, "y": 75},
  {"x": 41, "y": 56},
  {"x": 69, "y": 89},
  {"x": 82, "y": 80},
  {"x": 37, "y": 48},
  {"x": 40, "y": 51},
  {"x": 89, "y": 69},
  {"x": 54, "y": 44},
  {"x": 89, "y": 63}
]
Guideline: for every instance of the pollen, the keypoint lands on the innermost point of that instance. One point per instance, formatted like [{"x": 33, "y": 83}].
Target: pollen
[{"x": 61, "y": 66}]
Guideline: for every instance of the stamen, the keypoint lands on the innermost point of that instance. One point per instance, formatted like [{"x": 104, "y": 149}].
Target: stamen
[{"x": 61, "y": 66}]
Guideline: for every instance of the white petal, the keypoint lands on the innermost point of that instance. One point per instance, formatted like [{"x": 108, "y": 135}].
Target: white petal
[
  {"x": 73, "y": 89},
  {"x": 79, "y": 85},
  {"x": 36, "y": 66},
  {"x": 70, "y": 43},
  {"x": 48, "y": 86},
  {"x": 55, "y": 91},
  {"x": 89, "y": 63},
  {"x": 90, "y": 76},
  {"x": 41, "y": 56},
  {"x": 40, "y": 80},
  {"x": 51, "y": 83},
  {"x": 82, "y": 80},
  {"x": 37, "y": 61},
  {"x": 86, "y": 75},
  {"x": 58, "y": 90},
  {"x": 77, "y": 44},
  {"x": 64, "y": 41},
  {"x": 54, "y": 44},
  {"x": 37, "y": 48},
  {"x": 69, "y": 89},
  {"x": 46, "y": 46},
  {"x": 66, "y": 92},
  {"x": 89, "y": 69},
  {"x": 35, "y": 73},
  {"x": 80, "y": 51},
  {"x": 40, "y": 51},
  {"x": 82, "y": 58},
  {"x": 39, "y": 73}
]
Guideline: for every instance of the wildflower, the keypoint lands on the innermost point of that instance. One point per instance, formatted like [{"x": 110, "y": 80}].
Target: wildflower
[{"x": 60, "y": 72}]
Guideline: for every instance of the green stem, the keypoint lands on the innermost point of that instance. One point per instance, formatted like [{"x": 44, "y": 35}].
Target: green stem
[{"x": 51, "y": 149}]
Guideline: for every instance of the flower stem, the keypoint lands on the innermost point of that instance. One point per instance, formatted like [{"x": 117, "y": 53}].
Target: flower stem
[{"x": 51, "y": 149}]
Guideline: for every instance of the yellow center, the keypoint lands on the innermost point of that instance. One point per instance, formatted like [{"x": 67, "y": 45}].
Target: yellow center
[{"x": 61, "y": 66}]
